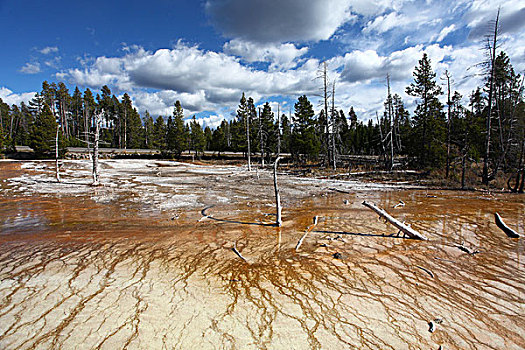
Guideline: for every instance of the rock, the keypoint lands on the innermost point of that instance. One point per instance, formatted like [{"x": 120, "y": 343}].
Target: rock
[{"x": 338, "y": 255}]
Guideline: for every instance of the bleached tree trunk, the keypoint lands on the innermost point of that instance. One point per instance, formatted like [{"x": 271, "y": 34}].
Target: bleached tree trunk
[
  {"x": 449, "y": 103},
  {"x": 261, "y": 142},
  {"x": 278, "y": 130},
  {"x": 95, "y": 149},
  {"x": 57, "y": 167},
  {"x": 390, "y": 118},
  {"x": 125, "y": 128},
  {"x": 492, "y": 52},
  {"x": 248, "y": 141},
  {"x": 407, "y": 230},
  {"x": 325, "y": 98},
  {"x": 334, "y": 130},
  {"x": 278, "y": 209}
]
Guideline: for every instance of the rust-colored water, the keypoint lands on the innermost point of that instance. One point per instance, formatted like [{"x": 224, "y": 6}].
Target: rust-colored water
[{"x": 80, "y": 274}]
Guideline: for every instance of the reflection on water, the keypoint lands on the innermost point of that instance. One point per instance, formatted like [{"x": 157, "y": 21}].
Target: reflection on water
[{"x": 96, "y": 275}]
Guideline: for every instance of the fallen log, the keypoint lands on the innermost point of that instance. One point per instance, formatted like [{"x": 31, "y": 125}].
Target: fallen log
[
  {"x": 407, "y": 230},
  {"x": 308, "y": 230},
  {"x": 508, "y": 231}
]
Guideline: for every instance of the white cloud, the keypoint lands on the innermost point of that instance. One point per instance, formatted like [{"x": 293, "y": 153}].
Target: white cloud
[
  {"x": 279, "y": 20},
  {"x": 382, "y": 24},
  {"x": 280, "y": 56},
  {"x": 204, "y": 79},
  {"x": 31, "y": 68},
  {"x": 444, "y": 32},
  {"x": 212, "y": 121},
  {"x": 481, "y": 13},
  {"x": 48, "y": 49},
  {"x": 15, "y": 99}
]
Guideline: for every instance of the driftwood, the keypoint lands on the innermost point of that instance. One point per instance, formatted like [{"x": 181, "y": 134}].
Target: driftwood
[
  {"x": 400, "y": 204},
  {"x": 410, "y": 232},
  {"x": 234, "y": 248},
  {"x": 426, "y": 270},
  {"x": 508, "y": 231},
  {"x": 308, "y": 230},
  {"x": 467, "y": 249}
]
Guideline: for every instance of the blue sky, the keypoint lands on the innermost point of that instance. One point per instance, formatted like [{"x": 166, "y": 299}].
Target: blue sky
[{"x": 206, "y": 53}]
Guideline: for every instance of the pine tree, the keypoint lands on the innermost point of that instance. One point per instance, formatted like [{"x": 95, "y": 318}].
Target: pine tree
[
  {"x": 429, "y": 122},
  {"x": 43, "y": 132},
  {"x": 197, "y": 137},
  {"x": 177, "y": 133},
  {"x": 148, "y": 130},
  {"x": 304, "y": 138},
  {"x": 159, "y": 134}
]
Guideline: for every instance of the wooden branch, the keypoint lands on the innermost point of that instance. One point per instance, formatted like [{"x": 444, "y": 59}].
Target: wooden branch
[
  {"x": 410, "y": 232},
  {"x": 234, "y": 248},
  {"x": 308, "y": 230},
  {"x": 508, "y": 231},
  {"x": 467, "y": 249},
  {"x": 426, "y": 270}
]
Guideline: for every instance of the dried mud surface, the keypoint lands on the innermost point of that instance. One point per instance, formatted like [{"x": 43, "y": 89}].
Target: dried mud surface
[{"x": 146, "y": 262}]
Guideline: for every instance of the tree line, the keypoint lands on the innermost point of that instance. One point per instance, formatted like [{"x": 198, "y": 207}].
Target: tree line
[{"x": 488, "y": 129}]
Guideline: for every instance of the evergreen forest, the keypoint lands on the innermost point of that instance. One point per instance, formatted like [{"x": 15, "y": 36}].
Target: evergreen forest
[{"x": 481, "y": 134}]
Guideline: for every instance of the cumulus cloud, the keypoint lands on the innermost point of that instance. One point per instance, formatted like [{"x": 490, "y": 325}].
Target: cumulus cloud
[
  {"x": 31, "y": 68},
  {"x": 15, "y": 99},
  {"x": 382, "y": 24},
  {"x": 204, "y": 79},
  {"x": 482, "y": 13},
  {"x": 368, "y": 65},
  {"x": 280, "y": 56},
  {"x": 279, "y": 20},
  {"x": 48, "y": 49}
]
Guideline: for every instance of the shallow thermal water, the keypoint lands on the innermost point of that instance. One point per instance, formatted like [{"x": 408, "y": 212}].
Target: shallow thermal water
[{"x": 146, "y": 262}]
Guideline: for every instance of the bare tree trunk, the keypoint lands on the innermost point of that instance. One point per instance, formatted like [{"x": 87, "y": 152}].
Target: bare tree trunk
[
  {"x": 334, "y": 129},
  {"x": 401, "y": 226},
  {"x": 278, "y": 130},
  {"x": 261, "y": 144},
  {"x": 248, "y": 141},
  {"x": 449, "y": 103},
  {"x": 390, "y": 118},
  {"x": 125, "y": 128},
  {"x": 95, "y": 150},
  {"x": 381, "y": 135},
  {"x": 57, "y": 167},
  {"x": 492, "y": 52},
  {"x": 278, "y": 220}
]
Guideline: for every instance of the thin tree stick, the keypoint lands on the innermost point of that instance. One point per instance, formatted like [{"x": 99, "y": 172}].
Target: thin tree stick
[
  {"x": 234, "y": 248},
  {"x": 278, "y": 209},
  {"x": 401, "y": 226},
  {"x": 57, "y": 167},
  {"x": 508, "y": 231},
  {"x": 308, "y": 230}
]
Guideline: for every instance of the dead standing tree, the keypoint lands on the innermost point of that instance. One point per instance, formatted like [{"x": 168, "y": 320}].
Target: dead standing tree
[
  {"x": 57, "y": 166},
  {"x": 98, "y": 121},
  {"x": 492, "y": 43},
  {"x": 278, "y": 208}
]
